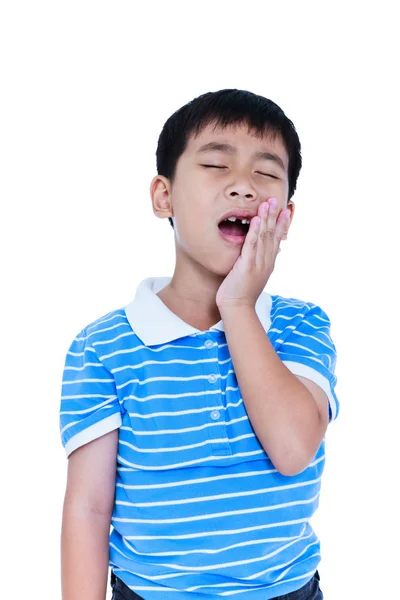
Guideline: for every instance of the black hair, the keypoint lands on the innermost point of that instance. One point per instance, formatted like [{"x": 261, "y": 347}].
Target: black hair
[{"x": 227, "y": 107}]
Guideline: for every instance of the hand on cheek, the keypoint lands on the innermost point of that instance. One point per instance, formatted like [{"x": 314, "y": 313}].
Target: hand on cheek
[{"x": 250, "y": 273}]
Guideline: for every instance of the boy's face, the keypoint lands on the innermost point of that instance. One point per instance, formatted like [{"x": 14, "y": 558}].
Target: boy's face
[{"x": 201, "y": 196}]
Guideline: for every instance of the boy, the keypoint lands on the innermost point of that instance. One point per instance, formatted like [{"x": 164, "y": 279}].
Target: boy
[{"x": 194, "y": 418}]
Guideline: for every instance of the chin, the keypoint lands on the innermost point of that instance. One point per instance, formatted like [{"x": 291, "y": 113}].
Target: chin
[
  {"x": 222, "y": 266},
  {"x": 218, "y": 262}
]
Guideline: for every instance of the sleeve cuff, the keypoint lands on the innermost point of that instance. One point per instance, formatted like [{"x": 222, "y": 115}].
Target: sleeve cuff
[
  {"x": 93, "y": 432},
  {"x": 309, "y": 373}
]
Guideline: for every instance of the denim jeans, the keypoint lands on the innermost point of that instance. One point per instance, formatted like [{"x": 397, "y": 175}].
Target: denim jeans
[{"x": 309, "y": 591}]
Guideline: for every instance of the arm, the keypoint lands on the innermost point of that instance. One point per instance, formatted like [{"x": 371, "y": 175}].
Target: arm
[
  {"x": 87, "y": 512},
  {"x": 288, "y": 414}
]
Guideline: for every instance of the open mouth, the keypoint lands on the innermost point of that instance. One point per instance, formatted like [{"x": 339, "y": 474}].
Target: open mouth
[{"x": 234, "y": 226}]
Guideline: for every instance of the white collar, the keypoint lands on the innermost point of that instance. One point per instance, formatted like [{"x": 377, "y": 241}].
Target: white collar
[{"x": 155, "y": 324}]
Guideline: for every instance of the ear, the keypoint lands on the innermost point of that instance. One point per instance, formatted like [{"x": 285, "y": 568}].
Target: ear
[
  {"x": 160, "y": 192},
  {"x": 290, "y": 206}
]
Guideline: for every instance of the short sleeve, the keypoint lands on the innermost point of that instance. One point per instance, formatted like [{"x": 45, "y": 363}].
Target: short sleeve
[
  {"x": 89, "y": 402},
  {"x": 308, "y": 351}
]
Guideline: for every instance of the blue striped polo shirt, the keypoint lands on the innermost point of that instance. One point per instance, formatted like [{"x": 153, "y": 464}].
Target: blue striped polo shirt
[{"x": 200, "y": 511}]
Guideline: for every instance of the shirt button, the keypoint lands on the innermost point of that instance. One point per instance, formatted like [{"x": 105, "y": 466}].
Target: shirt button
[
  {"x": 215, "y": 415},
  {"x": 212, "y": 378},
  {"x": 208, "y": 343}
]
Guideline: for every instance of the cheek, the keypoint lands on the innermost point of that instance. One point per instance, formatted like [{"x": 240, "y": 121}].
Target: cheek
[
  {"x": 194, "y": 208},
  {"x": 279, "y": 191},
  {"x": 191, "y": 219},
  {"x": 285, "y": 190}
]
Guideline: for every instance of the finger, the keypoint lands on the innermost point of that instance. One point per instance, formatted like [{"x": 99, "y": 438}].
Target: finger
[
  {"x": 282, "y": 224},
  {"x": 250, "y": 243},
  {"x": 263, "y": 212},
  {"x": 266, "y": 248}
]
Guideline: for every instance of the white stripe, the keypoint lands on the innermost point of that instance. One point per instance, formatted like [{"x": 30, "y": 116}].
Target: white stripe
[
  {"x": 292, "y": 563},
  {"x": 123, "y": 322},
  {"x": 74, "y": 381},
  {"x": 307, "y": 358},
  {"x": 308, "y": 336},
  {"x": 218, "y": 515},
  {"x": 87, "y": 349},
  {"x": 154, "y": 379},
  {"x": 68, "y": 426},
  {"x": 149, "y": 349},
  {"x": 75, "y": 396},
  {"x": 319, "y": 327},
  {"x": 207, "y": 442},
  {"x": 203, "y": 550},
  {"x": 169, "y": 362},
  {"x": 197, "y": 481},
  {"x": 122, "y": 335},
  {"x": 121, "y": 553},
  {"x": 322, "y": 319},
  {"x": 88, "y": 410},
  {"x": 250, "y": 587},
  {"x": 235, "y": 563},
  {"x": 265, "y": 490},
  {"x": 219, "y": 532},
  {"x": 308, "y": 350},
  {"x": 186, "y": 395},
  {"x": 105, "y": 319},
  {"x": 261, "y": 573},
  {"x": 287, "y": 303},
  {"x": 288, "y": 318},
  {"x": 193, "y": 411},
  {"x": 307, "y": 576},
  {"x": 84, "y": 367},
  {"x": 274, "y": 330},
  {"x": 294, "y": 331},
  {"x": 188, "y": 463},
  {"x": 220, "y": 585},
  {"x": 297, "y": 346},
  {"x": 119, "y": 570},
  {"x": 180, "y": 574},
  {"x": 158, "y": 432}
]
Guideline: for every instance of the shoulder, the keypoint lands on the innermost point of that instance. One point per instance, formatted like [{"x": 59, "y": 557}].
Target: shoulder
[
  {"x": 291, "y": 308},
  {"x": 289, "y": 314},
  {"x": 103, "y": 330},
  {"x": 106, "y": 325}
]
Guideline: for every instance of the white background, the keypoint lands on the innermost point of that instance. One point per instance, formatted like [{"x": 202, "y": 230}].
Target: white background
[{"x": 86, "y": 89}]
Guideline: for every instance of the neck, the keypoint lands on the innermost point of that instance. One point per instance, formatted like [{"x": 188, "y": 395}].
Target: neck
[{"x": 191, "y": 295}]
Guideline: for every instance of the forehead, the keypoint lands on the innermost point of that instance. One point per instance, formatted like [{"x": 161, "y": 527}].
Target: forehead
[{"x": 241, "y": 138}]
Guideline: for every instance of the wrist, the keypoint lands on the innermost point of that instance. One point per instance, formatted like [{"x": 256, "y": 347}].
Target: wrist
[{"x": 236, "y": 308}]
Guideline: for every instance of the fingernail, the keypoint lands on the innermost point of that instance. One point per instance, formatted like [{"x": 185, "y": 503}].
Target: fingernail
[{"x": 273, "y": 202}]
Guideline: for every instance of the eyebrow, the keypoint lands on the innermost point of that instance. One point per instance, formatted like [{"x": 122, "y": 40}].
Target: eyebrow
[{"x": 227, "y": 148}]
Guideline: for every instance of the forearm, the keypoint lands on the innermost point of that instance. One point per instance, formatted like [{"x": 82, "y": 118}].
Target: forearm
[
  {"x": 281, "y": 409},
  {"x": 84, "y": 554}
]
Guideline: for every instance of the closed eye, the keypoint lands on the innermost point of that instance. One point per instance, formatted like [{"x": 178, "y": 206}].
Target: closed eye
[
  {"x": 219, "y": 167},
  {"x": 268, "y": 175},
  {"x": 213, "y": 167}
]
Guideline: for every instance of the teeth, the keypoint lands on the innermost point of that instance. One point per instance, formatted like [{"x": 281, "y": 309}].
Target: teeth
[{"x": 244, "y": 221}]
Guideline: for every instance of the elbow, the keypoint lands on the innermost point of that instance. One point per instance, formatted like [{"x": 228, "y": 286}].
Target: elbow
[
  {"x": 294, "y": 458},
  {"x": 293, "y": 464},
  {"x": 291, "y": 469}
]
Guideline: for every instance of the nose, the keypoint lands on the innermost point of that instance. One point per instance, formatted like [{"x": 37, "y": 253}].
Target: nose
[{"x": 241, "y": 188}]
